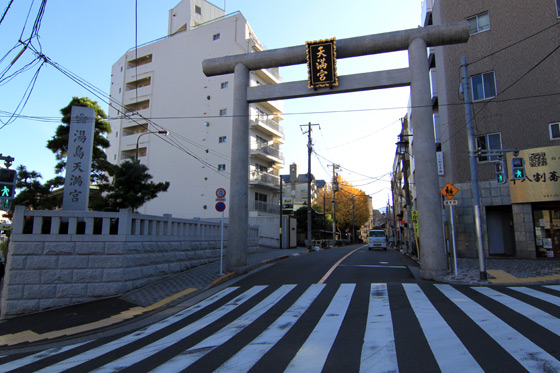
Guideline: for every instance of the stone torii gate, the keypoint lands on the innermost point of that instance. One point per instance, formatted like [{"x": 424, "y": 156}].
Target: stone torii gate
[{"x": 416, "y": 41}]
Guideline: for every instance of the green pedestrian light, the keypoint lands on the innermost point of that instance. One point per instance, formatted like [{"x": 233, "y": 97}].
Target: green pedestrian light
[
  {"x": 6, "y": 191},
  {"x": 501, "y": 172},
  {"x": 518, "y": 168},
  {"x": 8, "y": 180}
]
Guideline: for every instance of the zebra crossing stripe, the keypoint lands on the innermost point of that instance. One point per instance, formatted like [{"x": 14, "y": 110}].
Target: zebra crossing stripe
[
  {"x": 188, "y": 357},
  {"x": 539, "y": 294},
  {"x": 444, "y": 343},
  {"x": 312, "y": 355},
  {"x": 249, "y": 355},
  {"x": 553, "y": 287},
  {"x": 154, "y": 347},
  {"x": 129, "y": 338},
  {"x": 532, "y": 357},
  {"x": 379, "y": 353},
  {"x": 542, "y": 318},
  {"x": 36, "y": 357}
]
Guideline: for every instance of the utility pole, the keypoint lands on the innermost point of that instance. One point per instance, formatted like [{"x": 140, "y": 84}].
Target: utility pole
[
  {"x": 281, "y": 211},
  {"x": 353, "y": 229},
  {"x": 309, "y": 151},
  {"x": 474, "y": 172},
  {"x": 334, "y": 190}
]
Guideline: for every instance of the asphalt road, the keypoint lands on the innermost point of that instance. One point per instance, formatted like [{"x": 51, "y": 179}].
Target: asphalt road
[
  {"x": 348, "y": 264},
  {"x": 339, "y": 310}
]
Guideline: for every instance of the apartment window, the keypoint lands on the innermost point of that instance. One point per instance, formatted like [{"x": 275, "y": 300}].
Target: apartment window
[
  {"x": 221, "y": 167},
  {"x": 222, "y": 139},
  {"x": 141, "y": 105},
  {"x": 479, "y": 23},
  {"x": 198, "y": 10},
  {"x": 144, "y": 82},
  {"x": 555, "y": 129},
  {"x": 224, "y": 85},
  {"x": 489, "y": 142},
  {"x": 259, "y": 197},
  {"x": 483, "y": 86},
  {"x": 139, "y": 61},
  {"x": 260, "y": 141},
  {"x": 223, "y": 112},
  {"x": 216, "y": 37}
]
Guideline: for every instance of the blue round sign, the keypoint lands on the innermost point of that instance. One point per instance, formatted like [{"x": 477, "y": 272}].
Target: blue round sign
[
  {"x": 220, "y": 206},
  {"x": 220, "y": 193}
]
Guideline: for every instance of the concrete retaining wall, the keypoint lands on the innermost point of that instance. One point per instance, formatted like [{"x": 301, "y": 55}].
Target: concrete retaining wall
[{"x": 85, "y": 256}]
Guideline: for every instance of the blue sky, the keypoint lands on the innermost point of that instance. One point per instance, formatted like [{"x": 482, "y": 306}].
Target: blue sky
[{"x": 358, "y": 130}]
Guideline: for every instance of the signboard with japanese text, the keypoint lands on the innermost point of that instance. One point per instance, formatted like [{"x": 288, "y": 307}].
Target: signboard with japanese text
[
  {"x": 321, "y": 63},
  {"x": 415, "y": 222},
  {"x": 542, "y": 181},
  {"x": 78, "y": 161}
]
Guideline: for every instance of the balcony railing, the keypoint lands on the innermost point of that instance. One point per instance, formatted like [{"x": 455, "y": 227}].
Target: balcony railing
[
  {"x": 268, "y": 124},
  {"x": 264, "y": 178},
  {"x": 269, "y": 151},
  {"x": 270, "y": 208}
]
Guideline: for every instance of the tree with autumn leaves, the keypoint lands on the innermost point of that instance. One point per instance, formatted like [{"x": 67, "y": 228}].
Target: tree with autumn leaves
[{"x": 343, "y": 198}]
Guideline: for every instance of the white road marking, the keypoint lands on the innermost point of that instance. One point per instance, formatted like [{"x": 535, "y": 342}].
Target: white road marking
[
  {"x": 448, "y": 350},
  {"x": 247, "y": 357},
  {"x": 528, "y": 354},
  {"x": 379, "y": 353},
  {"x": 312, "y": 355},
  {"x": 542, "y": 318}
]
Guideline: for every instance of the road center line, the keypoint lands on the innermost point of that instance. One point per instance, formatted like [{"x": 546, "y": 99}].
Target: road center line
[{"x": 321, "y": 281}]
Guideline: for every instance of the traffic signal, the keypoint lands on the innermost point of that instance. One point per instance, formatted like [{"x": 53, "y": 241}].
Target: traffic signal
[
  {"x": 8, "y": 180},
  {"x": 518, "y": 168},
  {"x": 501, "y": 172}
]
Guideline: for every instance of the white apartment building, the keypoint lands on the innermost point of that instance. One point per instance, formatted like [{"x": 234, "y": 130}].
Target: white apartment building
[{"x": 162, "y": 88}]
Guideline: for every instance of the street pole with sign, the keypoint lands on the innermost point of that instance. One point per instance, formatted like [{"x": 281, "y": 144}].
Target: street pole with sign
[
  {"x": 220, "y": 207},
  {"x": 449, "y": 191}
]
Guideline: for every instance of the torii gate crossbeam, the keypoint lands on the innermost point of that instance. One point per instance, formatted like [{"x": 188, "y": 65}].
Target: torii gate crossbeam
[{"x": 416, "y": 41}]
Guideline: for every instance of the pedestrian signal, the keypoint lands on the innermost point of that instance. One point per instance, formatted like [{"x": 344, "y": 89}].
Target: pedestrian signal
[
  {"x": 501, "y": 172},
  {"x": 8, "y": 180},
  {"x": 518, "y": 168}
]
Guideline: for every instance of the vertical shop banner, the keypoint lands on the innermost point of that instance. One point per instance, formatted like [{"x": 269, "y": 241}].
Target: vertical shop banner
[
  {"x": 321, "y": 63},
  {"x": 542, "y": 181},
  {"x": 78, "y": 160}
]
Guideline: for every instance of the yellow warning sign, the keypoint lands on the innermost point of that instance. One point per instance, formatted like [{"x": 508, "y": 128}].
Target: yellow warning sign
[{"x": 449, "y": 191}]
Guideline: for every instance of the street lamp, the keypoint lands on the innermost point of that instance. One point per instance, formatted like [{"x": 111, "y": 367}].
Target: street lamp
[
  {"x": 402, "y": 145},
  {"x": 162, "y": 132}
]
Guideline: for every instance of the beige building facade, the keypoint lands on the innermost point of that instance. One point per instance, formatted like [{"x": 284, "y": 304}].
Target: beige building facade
[{"x": 512, "y": 60}]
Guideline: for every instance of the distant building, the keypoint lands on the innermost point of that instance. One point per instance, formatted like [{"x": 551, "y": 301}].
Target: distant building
[
  {"x": 514, "y": 78},
  {"x": 295, "y": 187},
  {"x": 162, "y": 87}
]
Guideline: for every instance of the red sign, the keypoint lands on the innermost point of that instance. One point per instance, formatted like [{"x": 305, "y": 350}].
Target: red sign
[{"x": 220, "y": 193}]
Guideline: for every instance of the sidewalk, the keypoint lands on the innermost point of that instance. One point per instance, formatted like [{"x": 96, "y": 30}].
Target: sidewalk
[
  {"x": 68, "y": 321},
  {"x": 506, "y": 271}
]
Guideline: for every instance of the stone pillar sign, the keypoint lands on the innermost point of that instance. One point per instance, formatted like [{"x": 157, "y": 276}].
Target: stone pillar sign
[{"x": 78, "y": 160}]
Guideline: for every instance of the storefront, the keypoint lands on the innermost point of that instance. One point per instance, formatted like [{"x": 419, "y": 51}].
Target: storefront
[
  {"x": 546, "y": 219},
  {"x": 541, "y": 189}
]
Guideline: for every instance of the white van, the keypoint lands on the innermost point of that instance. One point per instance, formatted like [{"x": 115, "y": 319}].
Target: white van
[{"x": 377, "y": 238}]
